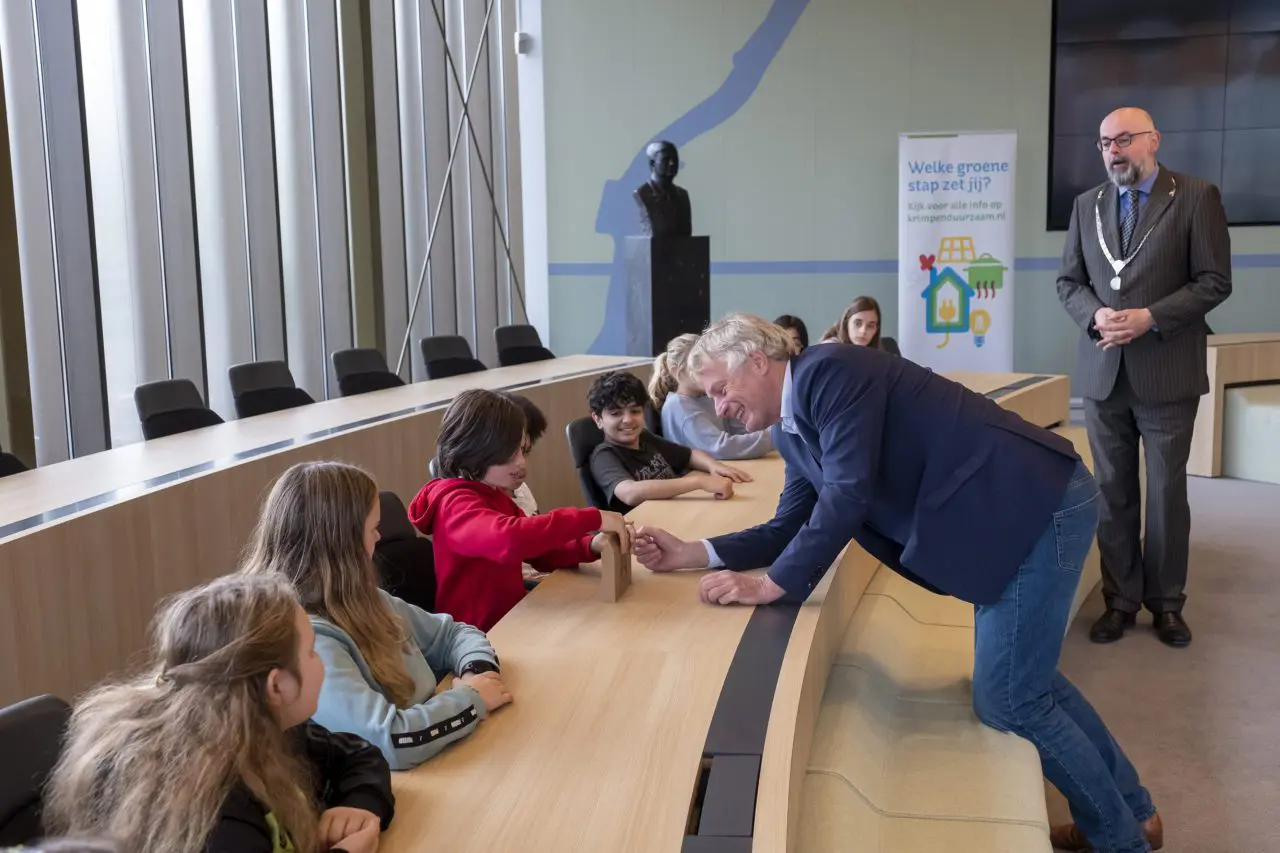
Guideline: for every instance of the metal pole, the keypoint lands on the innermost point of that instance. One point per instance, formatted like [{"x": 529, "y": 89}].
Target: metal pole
[
  {"x": 484, "y": 173},
  {"x": 444, "y": 193}
]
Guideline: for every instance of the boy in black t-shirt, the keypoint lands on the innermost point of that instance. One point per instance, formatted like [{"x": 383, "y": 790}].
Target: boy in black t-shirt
[{"x": 634, "y": 465}]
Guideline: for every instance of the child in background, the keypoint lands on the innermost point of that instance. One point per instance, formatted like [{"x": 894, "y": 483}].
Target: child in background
[
  {"x": 318, "y": 529},
  {"x": 535, "y": 424},
  {"x": 689, "y": 416},
  {"x": 212, "y": 749},
  {"x": 632, "y": 465},
  {"x": 480, "y": 535},
  {"x": 797, "y": 329}
]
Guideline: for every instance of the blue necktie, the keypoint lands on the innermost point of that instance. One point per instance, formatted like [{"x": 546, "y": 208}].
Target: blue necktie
[{"x": 1130, "y": 222}]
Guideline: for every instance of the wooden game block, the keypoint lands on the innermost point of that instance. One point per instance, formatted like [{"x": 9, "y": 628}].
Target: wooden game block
[{"x": 615, "y": 570}]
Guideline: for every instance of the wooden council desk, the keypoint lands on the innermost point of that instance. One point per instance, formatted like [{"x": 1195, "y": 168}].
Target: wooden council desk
[
  {"x": 89, "y": 546},
  {"x": 615, "y": 703},
  {"x": 1245, "y": 359}
]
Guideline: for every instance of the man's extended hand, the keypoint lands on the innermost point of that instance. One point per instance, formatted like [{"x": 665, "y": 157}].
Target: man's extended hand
[
  {"x": 735, "y": 588},
  {"x": 1118, "y": 328},
  {"x": 659, "y": 551}
]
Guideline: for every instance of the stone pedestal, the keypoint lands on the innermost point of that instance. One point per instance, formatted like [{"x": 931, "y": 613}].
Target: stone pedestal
[{"x": 668, "y": 290}]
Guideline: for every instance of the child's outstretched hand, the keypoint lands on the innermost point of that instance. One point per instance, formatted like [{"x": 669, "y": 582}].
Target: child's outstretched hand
[
  {"x": 735, "y": 474},
  {"x": 721, "y": 487},
  {"x": 615, "y": 523}
]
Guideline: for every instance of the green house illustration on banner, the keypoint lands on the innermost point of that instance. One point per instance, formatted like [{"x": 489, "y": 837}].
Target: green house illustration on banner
[
  {"x": 947, "y": 302},
  {"x": 986, "y": 275}
]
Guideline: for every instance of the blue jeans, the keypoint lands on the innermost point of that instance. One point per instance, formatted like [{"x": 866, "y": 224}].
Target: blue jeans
[{"x": 1017, "y": 687}]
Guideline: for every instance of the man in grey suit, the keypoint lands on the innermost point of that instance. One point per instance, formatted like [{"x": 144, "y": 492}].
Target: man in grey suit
[{"x": 1148, "y": 255}]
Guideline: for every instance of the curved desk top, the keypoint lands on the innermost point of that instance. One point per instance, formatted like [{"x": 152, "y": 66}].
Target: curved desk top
[
  {"x": 616, "y": 704},
  {"x": 91, "y": 545},
  {"x": 52, "y": 492}
]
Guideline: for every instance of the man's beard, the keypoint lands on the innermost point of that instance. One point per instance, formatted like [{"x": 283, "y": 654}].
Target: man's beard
[{"x": 1126, "y": 176}]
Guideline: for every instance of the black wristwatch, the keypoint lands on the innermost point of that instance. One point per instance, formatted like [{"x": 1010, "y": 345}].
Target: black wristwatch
[{"x": 476, "y": 667}]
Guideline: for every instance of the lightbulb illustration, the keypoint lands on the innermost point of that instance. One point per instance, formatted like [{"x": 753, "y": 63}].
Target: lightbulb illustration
[{"x": 981, "y": 322}]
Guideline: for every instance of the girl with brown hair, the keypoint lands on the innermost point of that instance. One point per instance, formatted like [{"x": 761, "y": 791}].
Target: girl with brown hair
[
  {"x": 212, "y": 750},
  {"x": 861, "y": 324},
  {"x": 318, "y": 529}
]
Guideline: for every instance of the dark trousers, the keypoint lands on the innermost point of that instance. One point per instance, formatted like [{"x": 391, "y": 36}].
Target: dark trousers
[{"x": 1134, "y": 574}]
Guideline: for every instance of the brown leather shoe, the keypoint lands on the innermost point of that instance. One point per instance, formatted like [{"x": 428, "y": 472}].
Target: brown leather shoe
[
  {"x": 1069, "y": 837},
  {"x": 1153, "y": 829}
]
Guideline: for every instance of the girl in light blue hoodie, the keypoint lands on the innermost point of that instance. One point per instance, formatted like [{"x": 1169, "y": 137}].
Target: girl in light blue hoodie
[
  {"x": 688, "y": 415},
  {"x": 383, "y": 657}
]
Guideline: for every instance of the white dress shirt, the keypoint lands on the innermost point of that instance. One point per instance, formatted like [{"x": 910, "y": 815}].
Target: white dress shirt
[{"x": 789, "y": 426}]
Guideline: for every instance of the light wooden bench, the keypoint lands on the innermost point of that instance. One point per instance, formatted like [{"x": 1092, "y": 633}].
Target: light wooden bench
[
  {"x": 1232, "y": 360},
  {"x": 1251, "y": 433}
]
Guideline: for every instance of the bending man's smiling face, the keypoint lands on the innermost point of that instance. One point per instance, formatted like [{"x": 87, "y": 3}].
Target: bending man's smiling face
[{"x": 745, "y": 393}]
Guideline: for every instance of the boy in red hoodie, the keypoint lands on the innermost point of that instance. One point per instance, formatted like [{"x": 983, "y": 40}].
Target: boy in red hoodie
[{"x": 479, "y": 534}]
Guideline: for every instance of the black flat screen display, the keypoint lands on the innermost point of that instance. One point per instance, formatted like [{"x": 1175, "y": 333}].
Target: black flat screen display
[{"x": 1207, "y": 70}]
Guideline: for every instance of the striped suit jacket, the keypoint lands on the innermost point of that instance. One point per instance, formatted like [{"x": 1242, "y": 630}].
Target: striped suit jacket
[{"x": 1181, "y": 273}]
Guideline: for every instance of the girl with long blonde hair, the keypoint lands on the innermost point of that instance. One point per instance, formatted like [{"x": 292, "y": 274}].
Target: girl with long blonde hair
[
  {"x": 318, "y": 529},
  {"x": 210, "y": 749},
  {"x": 688, "y": 415}
]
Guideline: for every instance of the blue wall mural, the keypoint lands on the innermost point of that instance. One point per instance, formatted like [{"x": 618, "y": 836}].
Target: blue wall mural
[{"x": 617, "y": 216}]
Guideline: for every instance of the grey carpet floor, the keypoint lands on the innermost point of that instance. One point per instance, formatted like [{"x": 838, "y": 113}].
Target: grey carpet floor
[{"x": 1202, "y": 724}]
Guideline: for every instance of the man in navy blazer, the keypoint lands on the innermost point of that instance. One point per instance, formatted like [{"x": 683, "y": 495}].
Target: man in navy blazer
[{"x": 951, "y": 491}]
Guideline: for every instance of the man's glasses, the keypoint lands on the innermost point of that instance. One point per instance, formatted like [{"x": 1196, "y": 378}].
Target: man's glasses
[{"x": 1124, "y": 140}]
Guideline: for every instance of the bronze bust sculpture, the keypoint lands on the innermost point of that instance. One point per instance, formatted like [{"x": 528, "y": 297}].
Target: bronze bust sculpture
[{"x": 664, "y": 207}]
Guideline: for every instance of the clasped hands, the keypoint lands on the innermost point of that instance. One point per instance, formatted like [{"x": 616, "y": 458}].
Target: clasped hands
[
  {"x": 660, "y": 551},
  {"x": 1118, "y": 328}
]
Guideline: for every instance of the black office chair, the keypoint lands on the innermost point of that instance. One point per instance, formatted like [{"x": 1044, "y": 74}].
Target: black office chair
[
  {"x": 433, "y": 468},
  {"x": 260, "y": 387},
  {"x": 890, "y": 346},
  {"x": 584, "y": 436},
  {"x": 10, "y": 464},
  {"x": 652, "y": 419},
  {"x": 520, "y": 345},
  {"x": 406, "y": 562},
  {"x": 449, "y": 355},
  {"x": 31, "y": 734},
  {"x": 171, "y": 406},
  {"x": 361, "y": 371}
]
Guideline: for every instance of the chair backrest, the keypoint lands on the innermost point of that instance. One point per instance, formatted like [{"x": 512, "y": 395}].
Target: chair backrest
[
  {"x": 31, "y": 734},
  {"x": 584, "y": 436},
  {"x": 890, "y": 346},
  {"x": 264, "y": 386},
  {"x": 171, "y": 406},
  {"x": 520, "y": 345},
  {"x": 395, "y": 522},
  {"x": 433, "y": 468},
  {"x": 406, "y": 562},
  {"x": 652, "y": 420},
  {"x": 10, "y": 464},
  {"x": 363, "y": 370},
  {"x": 449, "y": 355}
]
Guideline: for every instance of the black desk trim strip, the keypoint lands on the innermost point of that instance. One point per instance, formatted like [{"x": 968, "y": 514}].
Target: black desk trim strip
[
  {"x": 1006, "y": 390},
  {"x": 1252, "y": 383},
  {"x": 135, "y": 489},
  {"x": 740, "y": 723}
]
